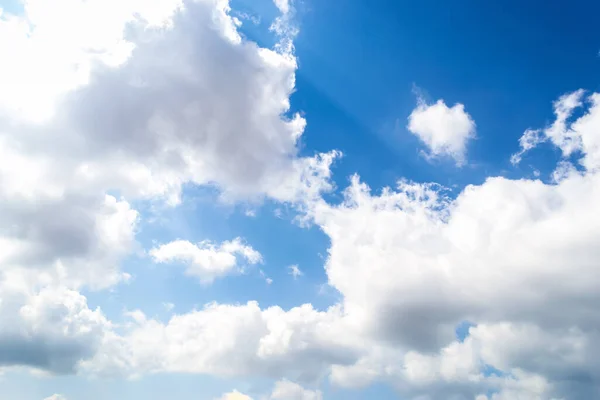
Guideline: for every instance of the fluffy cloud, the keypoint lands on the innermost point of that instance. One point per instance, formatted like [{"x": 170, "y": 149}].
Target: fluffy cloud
[
  {"x": 444, "y": 130},
  {"x": 286, "y": 390},
  {"x": 159, "y": 115},
  {"x": 569, "y": 136},
  {"x": 78, "y": 239},
  {"x": 205, "y": 260},
  {"x": 50, "y": 330},
  {"x": 231, "y": 340},
  {"x": 283, "y": 5},
  {"x": 283, "y": 390},
  {"x": 116, "y": 102},
  {"x": 517, "y": 257},
  {"x": 235, "y": 395},
  {"x": 151, "y": 98}
]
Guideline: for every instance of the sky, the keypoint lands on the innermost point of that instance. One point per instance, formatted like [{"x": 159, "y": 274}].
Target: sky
[{"x": 299, "y": 200}]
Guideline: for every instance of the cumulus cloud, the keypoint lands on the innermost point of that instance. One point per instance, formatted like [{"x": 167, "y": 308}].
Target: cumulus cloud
[
  {"x": 56, "y": 397},
  {"x": 230, "y": 340},
  {"x": 151, "y": 98},
  {"x": 444, "y": 130},
  {"x": 79, "y": 239},
  {"x": 518, "y": 257},
  {"x": 161, "y": 115},
  {"x": 116, "y": 102},
  {"x": 52, "y": 329},
  {"x": 205, "y": 260}
]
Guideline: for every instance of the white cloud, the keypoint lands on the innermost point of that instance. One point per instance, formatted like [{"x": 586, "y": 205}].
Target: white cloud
[
  {"x": 76, "y": 238},
  {"x": 140, "y": 114},
  {"x": 286, "y": 390},
  {"x": 115, "y": 102},
  {"x": 283, "y": 390},
  {"x": 50, "y": 330},
  {"x": 295, "y": 271},
  {"x": 166, "y": 116},
  {"x": 579, "y": 135},
  {"x": 283, "y": 5},
  {"x": 205, "y": 260},
  {"x": 444, "y": 130},
  {"x": 559, "y": 133},
  {"x": 56, "y": 397},
  {"x": 230, "y": 340},
  {"x": 235, "y": 395},
  {"x": 267, "y": 279},
  {"x": 47, "y": 60},
  {"x": 531, "y": 138},
  {"x": 410, "y": 265},
  {"x": 518, "y": 257}
]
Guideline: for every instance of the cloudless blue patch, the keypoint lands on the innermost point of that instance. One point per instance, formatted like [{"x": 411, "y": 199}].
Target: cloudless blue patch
[{"x": 14, "y": 7}]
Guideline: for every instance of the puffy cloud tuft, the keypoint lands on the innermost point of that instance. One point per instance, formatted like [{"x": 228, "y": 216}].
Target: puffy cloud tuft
[
  {"x": 444, "y": 130},
  {"x": 286, "y": 390},
  {"x": 205, "y": 260},
  {"x": 235, "y": 395},
  {"x": 116, "y": 103}
]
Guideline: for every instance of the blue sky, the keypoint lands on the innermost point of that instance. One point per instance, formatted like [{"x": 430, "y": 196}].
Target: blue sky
[{"x": 406, "y": 296}]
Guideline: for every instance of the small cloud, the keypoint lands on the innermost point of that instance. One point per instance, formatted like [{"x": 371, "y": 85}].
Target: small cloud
[
  {"x": 444, "y": 130},
  {"x": 255, "y": 19},
  {"x": 295, "y": 271},
  {"x": 531, "y": 138},
  {"x": 283, "y": 5},
  {"x": 207, "y": 260},
  {"x": 168, "y": 307},
  {"x": 561, "y": 133},
  {"x": 136, "y": 315},
  {"x": 287, "y": 390},
  {"x": 235, "y": 395},
  {"x": 267, "y": 279}
]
